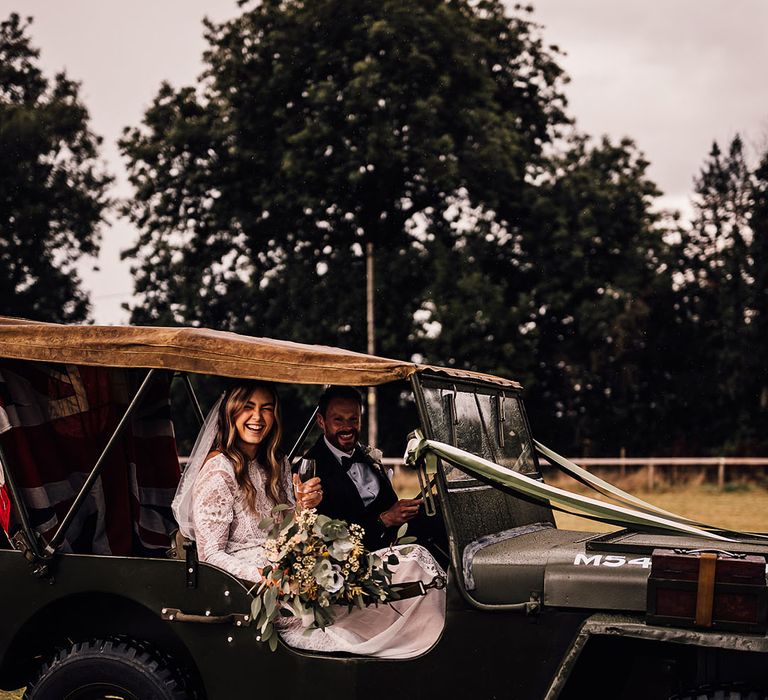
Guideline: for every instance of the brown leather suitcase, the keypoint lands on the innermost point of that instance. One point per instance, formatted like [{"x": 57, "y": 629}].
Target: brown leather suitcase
[{"x": 708, "y": 589}]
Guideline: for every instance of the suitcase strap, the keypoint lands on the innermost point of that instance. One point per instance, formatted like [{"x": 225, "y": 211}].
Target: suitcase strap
[{"x": 705, "y": 592}]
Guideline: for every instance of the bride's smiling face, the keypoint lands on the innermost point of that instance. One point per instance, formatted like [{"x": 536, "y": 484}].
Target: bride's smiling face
[{"x": 255, "y": 420}]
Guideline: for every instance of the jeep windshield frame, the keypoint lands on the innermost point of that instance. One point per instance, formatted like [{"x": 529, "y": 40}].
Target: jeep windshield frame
[{"x": 488, "y": 420}]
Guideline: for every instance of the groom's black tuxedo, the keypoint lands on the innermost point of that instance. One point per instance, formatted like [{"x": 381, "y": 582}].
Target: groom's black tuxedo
[{"x": 341, "y": 499}]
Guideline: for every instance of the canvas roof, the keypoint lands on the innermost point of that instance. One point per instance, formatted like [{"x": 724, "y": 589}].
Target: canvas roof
[{"x": 206, "y": 351}]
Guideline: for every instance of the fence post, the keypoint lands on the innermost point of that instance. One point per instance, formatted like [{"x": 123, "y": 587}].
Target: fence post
[
  {"x": 721, "y": 474},
  {"x": 650, "y": 476}
]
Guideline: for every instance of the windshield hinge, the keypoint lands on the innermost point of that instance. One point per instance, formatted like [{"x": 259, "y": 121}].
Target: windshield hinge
[{"x": 37, "y": 564}]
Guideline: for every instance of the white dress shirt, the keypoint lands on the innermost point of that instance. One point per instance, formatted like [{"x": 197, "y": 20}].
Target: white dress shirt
[{"x": 361, "y": 473}]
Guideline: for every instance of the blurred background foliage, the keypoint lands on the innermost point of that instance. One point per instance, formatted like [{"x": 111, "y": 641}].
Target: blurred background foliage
[{"x": 436, "y": 134}]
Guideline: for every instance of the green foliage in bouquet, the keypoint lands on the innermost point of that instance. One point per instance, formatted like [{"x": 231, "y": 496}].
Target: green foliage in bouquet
[{"x": 316, "y": 563}]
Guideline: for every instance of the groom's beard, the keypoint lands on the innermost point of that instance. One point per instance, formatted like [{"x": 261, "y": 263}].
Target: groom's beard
[{"x": 344, "y": 440}]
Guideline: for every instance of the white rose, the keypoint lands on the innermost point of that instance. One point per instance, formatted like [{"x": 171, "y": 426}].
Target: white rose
[
  {"x": 328, "y": 576},
  {"x": 340, "y": 549}
]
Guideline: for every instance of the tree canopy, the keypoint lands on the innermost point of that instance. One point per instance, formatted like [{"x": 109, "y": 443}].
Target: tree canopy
[
  {"x": 322, "y": 126},
  {"x": 505, "y": 240},
  {"x": 54, "y": 192},
  {"x": 722, "y": 281}
]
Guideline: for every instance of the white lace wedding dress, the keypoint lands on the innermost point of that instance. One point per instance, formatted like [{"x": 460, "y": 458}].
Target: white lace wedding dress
[{"x": 228, "y": 536}]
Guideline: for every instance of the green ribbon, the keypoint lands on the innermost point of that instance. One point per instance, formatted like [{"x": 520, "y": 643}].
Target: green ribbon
[
  {"x": 605, "y": 488},
  {"x": 623, "y": 516},
  {"x": 615, "y": 493}
]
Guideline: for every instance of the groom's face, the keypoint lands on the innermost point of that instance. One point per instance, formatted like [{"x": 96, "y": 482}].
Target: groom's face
[{"x": 341, "y": 423}]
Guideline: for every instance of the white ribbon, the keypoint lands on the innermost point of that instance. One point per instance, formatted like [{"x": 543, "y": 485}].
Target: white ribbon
[{"x": 622, "y": 516}]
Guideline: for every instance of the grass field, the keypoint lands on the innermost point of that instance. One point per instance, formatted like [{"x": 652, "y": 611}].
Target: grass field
[
  {"x": 739, "y": 507},
  {"x": 742, "y": 507}
]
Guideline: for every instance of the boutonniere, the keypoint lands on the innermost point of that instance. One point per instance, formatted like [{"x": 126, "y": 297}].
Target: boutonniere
[{"x": 373, "y": 454}]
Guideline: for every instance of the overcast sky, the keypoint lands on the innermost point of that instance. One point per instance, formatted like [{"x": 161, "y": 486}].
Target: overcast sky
[{"x": 672, "y": 74}]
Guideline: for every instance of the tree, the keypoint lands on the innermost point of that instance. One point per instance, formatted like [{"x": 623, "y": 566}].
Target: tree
[
  {"x": 718, "y": 276},
  {"x": 574, "y": 298},
  {"x": 595, "y": 265},
  {"x": 322, "y": 126},
  {"x": 54, "y": 192},
  {"x": 322, "y": 129},
  {"x": 756, "y": 369}
]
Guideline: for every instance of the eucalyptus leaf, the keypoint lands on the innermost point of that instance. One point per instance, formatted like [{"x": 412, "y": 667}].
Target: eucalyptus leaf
[
  {"x": 401, "y": 531},
  {"x": 287, "y": 523},
  {"x": 270, "y": 598},
  {"x": 273, "y": 643}
]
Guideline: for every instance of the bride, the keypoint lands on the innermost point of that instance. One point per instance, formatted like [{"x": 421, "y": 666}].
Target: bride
[{"x": 236, "y": 474}]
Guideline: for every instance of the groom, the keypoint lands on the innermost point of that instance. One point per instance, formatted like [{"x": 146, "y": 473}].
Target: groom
[{"x": 356, "y": 487}]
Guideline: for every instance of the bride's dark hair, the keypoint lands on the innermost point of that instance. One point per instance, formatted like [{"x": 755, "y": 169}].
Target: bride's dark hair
[{"x": 268, "y": 454}]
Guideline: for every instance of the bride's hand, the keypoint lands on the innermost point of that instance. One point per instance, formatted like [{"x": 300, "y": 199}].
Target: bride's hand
[{"x": 309, "y": 493}]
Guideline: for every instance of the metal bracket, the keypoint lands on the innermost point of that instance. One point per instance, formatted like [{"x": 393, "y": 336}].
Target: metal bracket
[
  {"x": 425, "y": 488},
  {"x": 411, "y": 589},
  {"x": 449, "y": 406},
  {"x": 190, "y": 563},
  {"x": 533, "y": 606},
  {"x": 20, "y": 542},
  {"x": 500, "y": 418}
]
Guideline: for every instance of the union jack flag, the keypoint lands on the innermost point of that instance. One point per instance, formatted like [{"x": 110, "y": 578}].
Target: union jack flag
[{"x": 55, "y": 421}]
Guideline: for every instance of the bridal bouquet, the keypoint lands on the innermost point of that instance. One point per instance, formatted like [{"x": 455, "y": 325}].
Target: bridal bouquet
[{"x": 315, "y": 563}]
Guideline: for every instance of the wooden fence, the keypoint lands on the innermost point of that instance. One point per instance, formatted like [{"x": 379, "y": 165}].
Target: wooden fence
[{"x": 653, "y": 466}]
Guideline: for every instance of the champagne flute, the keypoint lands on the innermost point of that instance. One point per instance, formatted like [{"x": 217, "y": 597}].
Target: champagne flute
[{"x": 306, "y": 470}]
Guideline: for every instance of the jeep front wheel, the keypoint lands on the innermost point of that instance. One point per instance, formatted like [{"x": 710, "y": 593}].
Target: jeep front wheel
[{"x": 105, "y": 669}]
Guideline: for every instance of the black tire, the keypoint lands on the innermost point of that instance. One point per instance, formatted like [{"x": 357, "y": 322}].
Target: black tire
[{"x": 105, "y": 669}]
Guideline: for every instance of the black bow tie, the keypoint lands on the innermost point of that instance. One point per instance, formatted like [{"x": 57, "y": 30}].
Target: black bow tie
[{"x": 347, "y": 462}]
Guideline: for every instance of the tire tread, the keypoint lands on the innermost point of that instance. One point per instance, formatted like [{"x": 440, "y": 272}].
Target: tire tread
[{"x": 138, "y": 656}]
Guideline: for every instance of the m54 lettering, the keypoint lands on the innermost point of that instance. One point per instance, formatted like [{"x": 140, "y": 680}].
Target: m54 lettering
[{"x": 611, "y": 560}]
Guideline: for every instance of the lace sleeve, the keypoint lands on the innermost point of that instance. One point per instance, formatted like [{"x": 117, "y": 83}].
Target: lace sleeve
[
  {"x": 213, "y": 510},
  {"x": 287, "y": 479}
]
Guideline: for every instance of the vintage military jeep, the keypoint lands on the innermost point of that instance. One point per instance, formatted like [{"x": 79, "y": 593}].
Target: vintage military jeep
[{"x": 93, "y": 607}]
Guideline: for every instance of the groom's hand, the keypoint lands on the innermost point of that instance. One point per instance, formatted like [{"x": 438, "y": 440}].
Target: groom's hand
[
  {"x": 309, "y": 493},
  {"x": 401, "y": 512}
]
